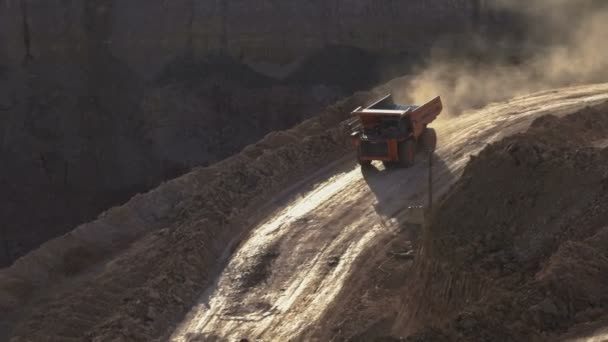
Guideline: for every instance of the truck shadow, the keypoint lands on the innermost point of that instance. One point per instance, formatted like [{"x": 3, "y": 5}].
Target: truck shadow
[
  {"x": 396, "y": 189},
  {"x": 381, "y": 271}
]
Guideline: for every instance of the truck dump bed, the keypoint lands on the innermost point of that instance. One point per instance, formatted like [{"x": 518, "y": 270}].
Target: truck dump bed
[
  {"x": 419, "y": 115},
  {"x": 387, "y": 103}
]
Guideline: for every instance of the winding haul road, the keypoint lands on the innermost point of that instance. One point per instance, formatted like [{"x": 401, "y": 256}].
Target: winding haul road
[{"x": 288, "y": 271}]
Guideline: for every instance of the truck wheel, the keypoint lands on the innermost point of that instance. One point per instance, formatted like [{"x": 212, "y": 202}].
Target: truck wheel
[
  {"x": 363, "y": 163},
  {"x": 429, "y": 139},
  {"x": 407, "y": 152},
  {"x": 390, "y": 164}
]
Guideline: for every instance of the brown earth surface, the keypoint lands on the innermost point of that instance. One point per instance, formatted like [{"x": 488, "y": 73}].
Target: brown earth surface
[
  {"x": 516, "y": 250},
  {"x": 335, "y": 253},
  {"x": 285, "y": 240}
]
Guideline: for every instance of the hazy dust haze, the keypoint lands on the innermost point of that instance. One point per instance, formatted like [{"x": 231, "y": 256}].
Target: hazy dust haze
[{"x": 564, "y": 45}]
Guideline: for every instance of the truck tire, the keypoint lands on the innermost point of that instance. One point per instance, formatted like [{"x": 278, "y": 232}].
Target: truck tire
[
  {"x": 407, "y": 152},
  {"x": 429, "y": 140},
  {"x": 390, "y": 165},
  {"x": 363, "y": 163}
]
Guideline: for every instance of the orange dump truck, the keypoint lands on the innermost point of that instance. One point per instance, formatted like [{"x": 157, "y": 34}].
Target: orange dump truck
[{"x": 393, "y": 133}]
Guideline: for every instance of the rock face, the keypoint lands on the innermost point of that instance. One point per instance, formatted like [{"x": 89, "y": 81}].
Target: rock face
[
  {"x": 100, "y": 99},
  {"x": 148, "y": 34}
]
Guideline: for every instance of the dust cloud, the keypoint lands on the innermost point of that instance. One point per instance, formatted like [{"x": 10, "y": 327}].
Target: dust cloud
[{"x": 564, "y": 44}]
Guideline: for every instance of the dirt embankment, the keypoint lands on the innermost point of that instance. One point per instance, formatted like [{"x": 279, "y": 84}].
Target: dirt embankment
[
  {"x": 189, "y": 223},
  {"x": 66, "y": 159},
  {"x": 518, "y": 248}
]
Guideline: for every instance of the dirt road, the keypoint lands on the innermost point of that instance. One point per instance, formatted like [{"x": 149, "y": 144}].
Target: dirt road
[{"x": 282, "y": 278}]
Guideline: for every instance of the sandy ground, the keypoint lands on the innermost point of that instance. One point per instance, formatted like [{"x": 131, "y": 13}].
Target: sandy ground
[{"x": 287, "y": 272}]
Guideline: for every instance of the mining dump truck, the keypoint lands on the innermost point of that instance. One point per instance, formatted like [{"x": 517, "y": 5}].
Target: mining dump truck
[{"x": 394, "y": 133}]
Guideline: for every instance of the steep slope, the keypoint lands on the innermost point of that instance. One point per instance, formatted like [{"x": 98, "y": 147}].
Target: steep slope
[
  {"x": 517, "y": 250},
  {"x": 66, "y": 144}
]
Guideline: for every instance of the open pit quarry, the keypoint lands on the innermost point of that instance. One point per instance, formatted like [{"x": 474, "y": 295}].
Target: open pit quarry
[
  {"x": 183, "y": 171},
  {"x": 290, "y": 240}
]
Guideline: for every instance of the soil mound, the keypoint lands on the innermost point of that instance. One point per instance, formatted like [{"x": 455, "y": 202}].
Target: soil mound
[{"x": 517, "y": 250}]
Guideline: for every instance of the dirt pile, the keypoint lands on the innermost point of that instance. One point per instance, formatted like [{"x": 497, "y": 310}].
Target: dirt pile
[
  {"x": 517, "y": 249},
  {"x": 189, "y": 223}
]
